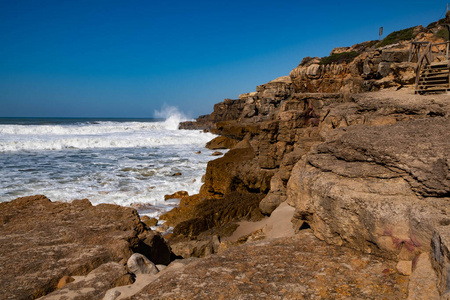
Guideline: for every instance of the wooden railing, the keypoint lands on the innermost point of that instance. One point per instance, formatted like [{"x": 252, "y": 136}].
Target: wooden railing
[
  {"x": 425, "y": 58},
  {"x": 418, "y": 48}
]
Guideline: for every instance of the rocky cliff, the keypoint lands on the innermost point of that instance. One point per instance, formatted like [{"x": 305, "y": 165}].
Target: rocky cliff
[{"x": 345, "y": 141}]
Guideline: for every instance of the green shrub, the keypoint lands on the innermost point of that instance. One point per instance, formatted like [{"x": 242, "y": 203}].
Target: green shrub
[
  {"x": 397, "y": 36},
  {"x": 443, "y": 33},
  {"x": 370, "y": 44},
  {"x": 339, "y": 58}
]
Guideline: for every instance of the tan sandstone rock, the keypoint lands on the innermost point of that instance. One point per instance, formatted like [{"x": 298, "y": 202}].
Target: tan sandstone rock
[
  {"x": 404, "y": 267},
  {"x": 42, "y": 241},
  {"x": 299, "y": 267},
  {"x": 177, "y": 195}
]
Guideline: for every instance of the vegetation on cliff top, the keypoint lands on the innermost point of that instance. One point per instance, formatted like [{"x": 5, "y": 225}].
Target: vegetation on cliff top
[
  {"x": 344, "y": 57},
  {"x": 397, "y": 36}
]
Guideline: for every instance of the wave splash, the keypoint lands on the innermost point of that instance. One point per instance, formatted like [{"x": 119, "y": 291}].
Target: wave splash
[{"x": 172, "y": 116}]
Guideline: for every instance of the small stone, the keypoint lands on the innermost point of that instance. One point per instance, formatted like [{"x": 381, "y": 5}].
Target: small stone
[
  {"x": 64, "y": 280},
  {"x": 217, "y": 153},
  {"x": 162, "y": 228},
  {"x": 139, "y": 264},
  {"x": 198, "y": 152},
  {"x": 404, "y": 267},
  {"x": 112, "y": 294},
  {"x": 149, "y": 221}
]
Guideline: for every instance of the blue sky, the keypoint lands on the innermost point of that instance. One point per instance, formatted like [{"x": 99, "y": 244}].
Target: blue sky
[{"x": 108, "y": 58}]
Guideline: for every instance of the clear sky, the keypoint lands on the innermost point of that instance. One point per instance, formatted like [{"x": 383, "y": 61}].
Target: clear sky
[{"x": 110, "y": 58}]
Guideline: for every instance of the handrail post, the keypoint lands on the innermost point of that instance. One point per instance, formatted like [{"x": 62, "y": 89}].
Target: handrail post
[
  {"x": 411, "y": 52},
  {"x": 446, "y": 56}
]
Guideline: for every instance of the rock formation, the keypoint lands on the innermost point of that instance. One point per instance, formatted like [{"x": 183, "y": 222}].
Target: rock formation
[
  {"x": 301, "y": 267},
  {"x": 364, "y": 169},
  {"x": 43, "y": 241}
]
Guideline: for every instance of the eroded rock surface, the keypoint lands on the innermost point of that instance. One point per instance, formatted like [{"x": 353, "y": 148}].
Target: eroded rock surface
[
  {"x": 95, "y": 284},
  {"x": 380, "y": 189},
  {"x": 301, "y": 267},
  {"x": 42, "y": 241}
]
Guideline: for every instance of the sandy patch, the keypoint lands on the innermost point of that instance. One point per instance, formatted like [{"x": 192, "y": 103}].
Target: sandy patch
[{"x": 277, "y": 225}]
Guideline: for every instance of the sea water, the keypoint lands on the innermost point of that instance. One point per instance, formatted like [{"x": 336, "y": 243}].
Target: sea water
[{"x": 129, "y": 162}]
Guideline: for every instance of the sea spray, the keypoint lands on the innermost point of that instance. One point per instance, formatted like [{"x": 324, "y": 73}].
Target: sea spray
[{"x": 172, "y": 117}]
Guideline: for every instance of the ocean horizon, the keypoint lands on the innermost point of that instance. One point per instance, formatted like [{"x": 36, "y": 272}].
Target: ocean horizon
[{"x": 67, "y": 120}]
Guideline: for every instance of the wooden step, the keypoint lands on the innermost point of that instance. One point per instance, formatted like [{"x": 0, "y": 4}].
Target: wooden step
[
  {"x": 431, "y": 91},
  {"x": 432, "y": 76},
  {"x": 435, "y": 87},
  {"x": 433, "y": 70},
  {"x": 433, "y": 83},
  {"x": 443, "y": 62},
  {"x": 434, "y": 80},
  {"x": 435, "y": 75},
  {"x": 439, "y": 70},
  {"x": 440, "y": 64}
]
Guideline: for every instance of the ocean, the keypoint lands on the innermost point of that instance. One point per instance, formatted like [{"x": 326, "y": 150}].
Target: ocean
[{"x": 129, "y": 162}]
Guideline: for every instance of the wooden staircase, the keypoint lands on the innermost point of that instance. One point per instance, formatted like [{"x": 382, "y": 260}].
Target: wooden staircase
[{"x": 433, "y": 78}]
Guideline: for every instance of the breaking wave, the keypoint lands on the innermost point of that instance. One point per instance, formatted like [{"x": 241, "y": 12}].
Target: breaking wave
[{"x": 101, "y": 134}]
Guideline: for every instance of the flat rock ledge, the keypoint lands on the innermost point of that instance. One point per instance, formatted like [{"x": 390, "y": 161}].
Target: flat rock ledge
[{"x": 300, "y": 267}]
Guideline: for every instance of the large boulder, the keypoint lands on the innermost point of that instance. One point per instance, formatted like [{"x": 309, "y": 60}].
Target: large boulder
[
  {"x": 237, "y": 170},
  {"x": 380, "y": 189},
  {"x": 211, "y": 213},
  {"x": 139, "y": 264},
  {"x": 221, "y": 142}
]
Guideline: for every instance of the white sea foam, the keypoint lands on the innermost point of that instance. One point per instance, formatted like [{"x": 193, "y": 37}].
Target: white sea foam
[
  {"x": 89, "y": 136},
  {"x": 107, "y": 162}
]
